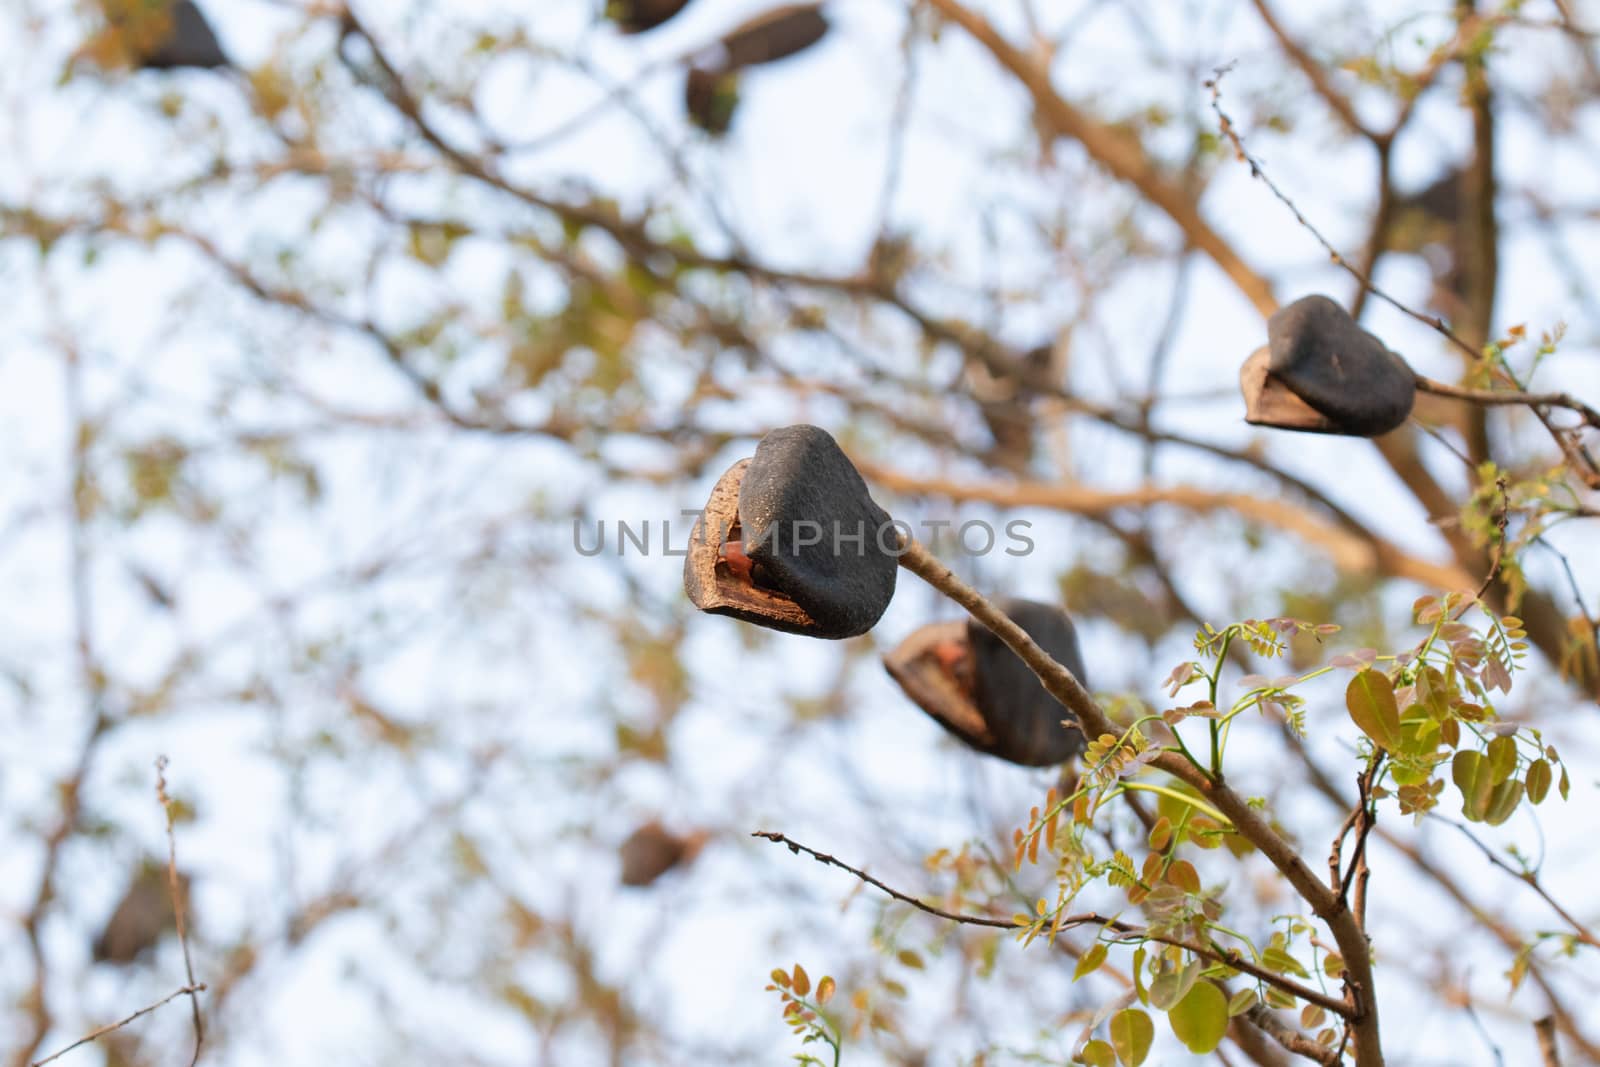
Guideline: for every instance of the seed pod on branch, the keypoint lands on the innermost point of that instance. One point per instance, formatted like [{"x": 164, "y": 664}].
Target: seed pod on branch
[
  {"x": 162, "y": 34},
  {"x": 792, "y": 540},
  {"x": 977, "y": 688},
  {"x": 1320, "y": 372}
]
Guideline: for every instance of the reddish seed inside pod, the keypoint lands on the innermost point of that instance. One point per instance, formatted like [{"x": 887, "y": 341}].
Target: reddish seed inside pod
[{"x": 732, "y": 556}]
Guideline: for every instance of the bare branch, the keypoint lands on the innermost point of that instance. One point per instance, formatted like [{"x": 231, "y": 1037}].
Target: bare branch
[{"x": 189, "y": 990}]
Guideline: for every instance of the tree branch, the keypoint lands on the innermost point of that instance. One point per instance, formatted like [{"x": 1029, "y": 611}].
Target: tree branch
[{"x": 1361, "y": 1008}]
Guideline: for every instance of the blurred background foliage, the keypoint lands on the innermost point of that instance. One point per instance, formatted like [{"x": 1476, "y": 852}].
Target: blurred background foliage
[{"x": 333, "y": 346}]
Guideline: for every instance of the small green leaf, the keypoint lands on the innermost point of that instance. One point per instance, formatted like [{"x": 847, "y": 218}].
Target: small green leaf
[
  {"x": 1241, "y": 1002},
  {"x": 1370, "y": 701},
  {"x": 1473, "y": 776},
  {"x": 1131, "y": 1035},
  {"x": 1098, "y": 1054},
  {"x": 1502, "y": 756},
  {"x": 1200, "y": 1019},
  {"x": 1276, "y": 959},
  {"x": 1090, "y": 962},
  {"x": 1169, "y": 988},
  {"x": 1538, "y": 780},
  {"x": 910, "y": 959},
  {"x": 1502, "y": 802}
]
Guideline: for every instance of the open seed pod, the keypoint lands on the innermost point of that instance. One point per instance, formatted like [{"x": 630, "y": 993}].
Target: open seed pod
[
  {"x": 978, "y": 689},
  {"x": 711, "y": 91},
  {"x": 637, "y": 16},
  {"x": 160, "y": 35},
  {"x": 652, "y": 850},
  {"x": 1322, "y": 373},
  {"x": 792, "y": 540}
]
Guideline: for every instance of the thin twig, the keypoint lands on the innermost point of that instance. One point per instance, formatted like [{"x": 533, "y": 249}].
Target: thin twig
[
  {"x": 1259, "y": 172},
  {"x": 191, "y": 990},
  {"x": 1590, "y": 416},
  {"x": 178, "y": 902},
  {"x": 1128, "y": 932},
  {"x": 1267, "y": 1021},
  {"x": 1584, "y": 934}
]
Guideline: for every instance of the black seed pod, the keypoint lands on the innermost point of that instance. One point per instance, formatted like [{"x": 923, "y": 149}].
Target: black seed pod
[
  {"x": 1321, "y": 372},
  {"x": 163, "y": 36},
  {"x": 637, "y": 16},
  {"x": 710, "y": 98},
  {"x": 978, "y": 689},
  {"x": 774, "y": 35},
  {"x": 711, "y": 90},
  {"x": 792, "y": 540}
]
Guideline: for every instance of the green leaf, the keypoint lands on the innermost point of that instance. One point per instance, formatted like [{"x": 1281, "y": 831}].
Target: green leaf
[
  {"x": 1200, "y": 1019},
  {"x": 1241, "y": 1002},
  {"x": 1276, "y": 959},
  {"x": 1370, "y": 701},
  {"x": 1502, "y": 756},
  {"x": 1169, "y": 988},
  {"x": 1098, "y": 1054},
  {"x": 1474, "y": 777},
  {"x": 1538, "y": 780},
  {"x": 1131, "y": 1035},
  {"x": 910, "y": 959},
  {"x": 1090, "y": 962},
  {"x": 1138, "y": 975},
  {"x": 1503, "y": 801}
]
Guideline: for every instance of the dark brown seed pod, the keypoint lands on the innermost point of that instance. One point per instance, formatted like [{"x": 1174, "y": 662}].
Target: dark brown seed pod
[
  {"x": 711, "y": 90},
  {"x": 978, "y": 689},
  {"x": 1322, "y": 373},
  {"x": 157, "y": 35},
  {"x": 142, "y": 917},
  {"x": 777, "y": 34},
  {"x": 652, "y": 850},
  {"x": 637, "y": 16},
  {"x": 710, "y": 98},
  {"x": 791, "y": 540}
]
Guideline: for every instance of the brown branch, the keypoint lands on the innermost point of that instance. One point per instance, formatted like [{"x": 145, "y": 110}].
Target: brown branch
[
  {"x": 1545, "y": 1031},
  {"x": 179, "y": 899},
  {"x": 1127, "y": 930},
  {"x": 1361, "y": 1007},
  {"x": 1349, "y": 552},
  {"x": 190, "y": 990},
  {"x": 1491, "y": 923},
  {"x": 34, "y": 1001},
  {"x": 1257, "y": 171},
  {"x": 1487, "y": 397},
  {"x": 1315, "y": 72},
  {"x": 1267, "y": 1021},
  {"x": 1120, "y": 154},
  {"x": 1529, "y": 879}
]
